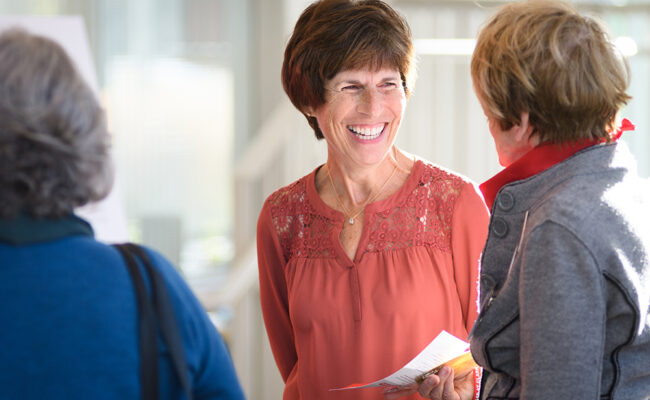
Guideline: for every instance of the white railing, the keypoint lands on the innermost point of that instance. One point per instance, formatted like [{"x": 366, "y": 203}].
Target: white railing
[{"x": 282, "y": 151}]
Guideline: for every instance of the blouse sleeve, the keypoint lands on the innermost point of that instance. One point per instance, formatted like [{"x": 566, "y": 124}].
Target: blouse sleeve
[
  {"x": 468, "y": 233},
  {"x": 273, "y": 293}
]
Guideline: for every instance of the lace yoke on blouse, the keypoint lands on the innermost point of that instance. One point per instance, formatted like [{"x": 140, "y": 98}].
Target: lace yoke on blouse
[{"x": 421, "y": 217}]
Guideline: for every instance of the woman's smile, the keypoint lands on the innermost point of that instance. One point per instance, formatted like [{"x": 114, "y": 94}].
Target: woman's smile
[{"x": 367, "y": 133}]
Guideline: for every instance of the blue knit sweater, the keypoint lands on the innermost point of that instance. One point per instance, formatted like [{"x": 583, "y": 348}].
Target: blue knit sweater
[{"x": 68, "y": 320}]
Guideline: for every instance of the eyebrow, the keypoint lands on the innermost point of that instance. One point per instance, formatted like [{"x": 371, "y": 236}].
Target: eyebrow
[{"x": 358, "y": 82}]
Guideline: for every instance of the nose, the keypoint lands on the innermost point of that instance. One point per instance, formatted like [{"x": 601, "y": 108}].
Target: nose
[{"x": 370, "y": 102}]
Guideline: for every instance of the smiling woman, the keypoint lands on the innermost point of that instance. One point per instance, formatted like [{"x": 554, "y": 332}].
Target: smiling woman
[
  {"x": 366, "y": 259},
  {"x": 361, "y": 117}
]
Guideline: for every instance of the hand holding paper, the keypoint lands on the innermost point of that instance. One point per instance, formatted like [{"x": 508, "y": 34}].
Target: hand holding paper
[
  {"x": 445, "y": 349},
  {"x": 461, "y": 365}
]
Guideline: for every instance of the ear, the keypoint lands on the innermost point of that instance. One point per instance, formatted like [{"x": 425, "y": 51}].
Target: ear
[
  {"x": 523, "y": 131},
  {"x": 308, "y": 111}
]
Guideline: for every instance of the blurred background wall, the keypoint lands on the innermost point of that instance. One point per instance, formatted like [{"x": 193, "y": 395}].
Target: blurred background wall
[{"x": 202, "y": 131}]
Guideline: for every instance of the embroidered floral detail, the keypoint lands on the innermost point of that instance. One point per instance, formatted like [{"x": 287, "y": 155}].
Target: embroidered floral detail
[
  {"x": 302, "y": 231},
  {"x": 422, "y": 219}
]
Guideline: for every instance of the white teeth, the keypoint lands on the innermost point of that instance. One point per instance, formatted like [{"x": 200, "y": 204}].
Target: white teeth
[{"x": 366, "y": 133}]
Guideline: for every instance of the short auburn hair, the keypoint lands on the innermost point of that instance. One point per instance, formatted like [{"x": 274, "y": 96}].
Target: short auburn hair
[
  {"x": 337, "y": 35},
  {"x": 544, "y": 58}
]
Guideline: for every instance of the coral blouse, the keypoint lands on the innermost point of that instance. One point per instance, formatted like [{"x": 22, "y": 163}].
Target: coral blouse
[{"x": 333, "y": 321}]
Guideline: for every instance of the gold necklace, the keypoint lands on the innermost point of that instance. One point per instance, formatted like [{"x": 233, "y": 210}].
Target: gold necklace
[{"x": 369, "y": 200}]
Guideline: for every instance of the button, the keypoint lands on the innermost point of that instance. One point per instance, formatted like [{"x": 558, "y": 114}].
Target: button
[
  {"x": 499, "y": 227},
  {"x": 487, "y": 281},
  {"x": 505, "y": 201}
]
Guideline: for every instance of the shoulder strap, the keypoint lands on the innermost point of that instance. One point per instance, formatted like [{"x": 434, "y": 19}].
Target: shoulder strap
[
  {"x": 146, "y": 328},
  {"x": 166, "y": 318},
  {"x": 167, "y": 321}
]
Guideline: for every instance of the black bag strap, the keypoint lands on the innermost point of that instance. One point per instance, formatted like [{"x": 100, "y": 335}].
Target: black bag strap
[
  {"x": 146, "y": 328},
  {"x": 167, "y": 321},
  {"x": 166, "y": 318}
]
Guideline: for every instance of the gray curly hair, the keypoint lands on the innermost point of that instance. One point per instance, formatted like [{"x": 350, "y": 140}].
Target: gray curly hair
[{"x": 54, "y": 142}]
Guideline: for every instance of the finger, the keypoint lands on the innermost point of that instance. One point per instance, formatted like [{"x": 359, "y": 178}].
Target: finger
[
  {"x": 464, "y": 387},
  {"x": 463, "y": 375},
  {"x": 438, "y": 392},
  {"x": 430, "y": 387},
  {"x": 448, "y": 389}
]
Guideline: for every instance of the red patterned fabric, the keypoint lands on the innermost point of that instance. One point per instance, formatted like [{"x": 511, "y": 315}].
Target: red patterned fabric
[
  {"x": 423, "y": 218},
  {"x": 301, "y": 230},
  {"x": 332, "y": 320}
]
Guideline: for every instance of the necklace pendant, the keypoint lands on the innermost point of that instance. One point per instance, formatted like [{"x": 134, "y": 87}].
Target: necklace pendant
[{"x": 351, "y": 221}]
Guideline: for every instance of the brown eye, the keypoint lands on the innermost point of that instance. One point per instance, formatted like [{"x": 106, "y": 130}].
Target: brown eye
[{"x": 350, "y": 88}]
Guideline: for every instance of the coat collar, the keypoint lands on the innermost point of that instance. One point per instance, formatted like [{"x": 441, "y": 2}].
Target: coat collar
[
  {"x": 540, "y": 159},
  {"x": 24, "y": 230}
]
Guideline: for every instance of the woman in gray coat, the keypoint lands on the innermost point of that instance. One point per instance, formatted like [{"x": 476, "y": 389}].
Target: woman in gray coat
[{"x": 565, "y": 279}]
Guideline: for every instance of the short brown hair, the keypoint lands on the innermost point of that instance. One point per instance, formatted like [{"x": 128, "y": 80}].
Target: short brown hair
[
  {"x": 337, "y": 35},
  {"x": 54, "y": 142},
  {"x": 544, "y": 58}
]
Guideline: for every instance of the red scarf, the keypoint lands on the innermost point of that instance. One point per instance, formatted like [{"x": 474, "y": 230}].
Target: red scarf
[{"x": 539, "y": 159}]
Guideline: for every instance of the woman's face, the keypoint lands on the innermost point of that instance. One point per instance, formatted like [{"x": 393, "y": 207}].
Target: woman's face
[{"x": 362, "y": 112}]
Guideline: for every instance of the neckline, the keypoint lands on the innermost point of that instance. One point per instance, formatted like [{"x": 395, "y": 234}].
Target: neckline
[
  {"x": 315, "y": 199},
  {"x": 25, "y": 230},
  {"x": 321, "y": 207}
]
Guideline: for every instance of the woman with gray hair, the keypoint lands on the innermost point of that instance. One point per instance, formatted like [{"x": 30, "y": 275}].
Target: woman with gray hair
[{"x": 69, "y": 317}]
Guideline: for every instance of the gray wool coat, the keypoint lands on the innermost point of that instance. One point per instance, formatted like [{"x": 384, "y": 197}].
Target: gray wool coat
[{"x": 565, "y": 283}]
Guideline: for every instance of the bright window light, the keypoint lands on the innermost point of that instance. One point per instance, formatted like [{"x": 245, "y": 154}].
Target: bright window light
[
  {"x": 626, "y": 45},
  {"x": 464, "y": 47},
  {"x": 446, "y": 47}
]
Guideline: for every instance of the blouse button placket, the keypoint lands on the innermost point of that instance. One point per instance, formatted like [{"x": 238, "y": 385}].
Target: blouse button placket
[{"x": 355, "y": 291}]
